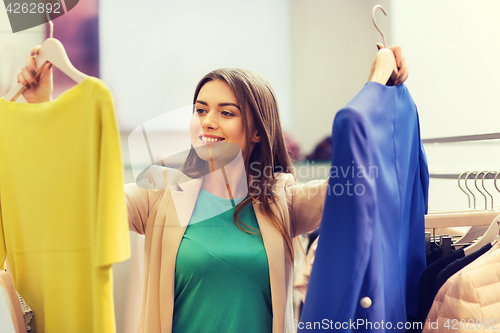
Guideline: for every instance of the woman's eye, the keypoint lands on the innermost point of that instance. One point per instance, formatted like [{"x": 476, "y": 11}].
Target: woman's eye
[
  {"x": 226, "y": 113},
  {"x": 200, "y": 111}
]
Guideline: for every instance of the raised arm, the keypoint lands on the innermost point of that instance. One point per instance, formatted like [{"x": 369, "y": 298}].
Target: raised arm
[
  {"x": 307, "y": 202},
  {"x": 39, "y": 84},
  {"x": 137, "y": 199},
  {"x": 142, "y": 198}
]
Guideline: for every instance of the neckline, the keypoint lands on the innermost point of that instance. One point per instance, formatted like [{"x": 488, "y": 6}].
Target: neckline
[
  {"x": 60, "y": 97},
  {"x": 235, "y": 199}
]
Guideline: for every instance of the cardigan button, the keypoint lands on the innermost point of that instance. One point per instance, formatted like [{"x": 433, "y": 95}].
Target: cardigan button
[{"x": 365, "y": 302}]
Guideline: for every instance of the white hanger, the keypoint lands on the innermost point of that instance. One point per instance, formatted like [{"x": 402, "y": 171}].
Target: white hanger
[
  {"x": 489, "y": 219},
  {"x": 493, "y": 230},
  {"x": 385, "y": 67},
  {"x": 461, "y": 189},
  {"x": 489, "y": 236},
  {"x": 51, "y": 50},
  {"x": 463, "y": 218}
]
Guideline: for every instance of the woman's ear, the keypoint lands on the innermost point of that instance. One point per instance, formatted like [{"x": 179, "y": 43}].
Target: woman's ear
[{"x": 256, "y": 137}]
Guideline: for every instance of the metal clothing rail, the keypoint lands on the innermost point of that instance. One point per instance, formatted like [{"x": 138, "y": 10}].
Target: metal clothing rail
[
  {"x": 455, "y": 176},
  {"x": 464, "y": 138}
]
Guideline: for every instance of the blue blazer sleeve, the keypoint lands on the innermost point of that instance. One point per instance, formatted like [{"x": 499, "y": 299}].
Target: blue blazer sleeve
[
  {"x": 424, "y": 169},
  {"x": 337, "y": 276}
]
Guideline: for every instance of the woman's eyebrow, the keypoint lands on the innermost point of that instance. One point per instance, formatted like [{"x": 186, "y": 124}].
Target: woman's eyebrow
[{"x": 220, "y": 104}]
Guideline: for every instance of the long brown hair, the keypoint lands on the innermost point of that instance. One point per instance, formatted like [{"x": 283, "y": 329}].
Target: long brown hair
[{"x": 258, "y": 100}]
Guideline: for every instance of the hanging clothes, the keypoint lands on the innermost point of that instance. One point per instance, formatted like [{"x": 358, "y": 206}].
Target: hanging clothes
[
  {"x": 371, "y": 249},
  {"x": 301, "y": 282},
  {"x": 456, "y": 266},
  {"x": 435, "y": 276},
  {"x": 470, "y": 299},
  {"x": 27, "y": 312},
  {"x": 63, "y": 220},
  {"x": 428, "y": 280},
  {"x": 436, "y": 254}
]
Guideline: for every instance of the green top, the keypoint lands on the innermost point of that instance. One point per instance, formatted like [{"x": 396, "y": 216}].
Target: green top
[{"x": 222, "y": 274}]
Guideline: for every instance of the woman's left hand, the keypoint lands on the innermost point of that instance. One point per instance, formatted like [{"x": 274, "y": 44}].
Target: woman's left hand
[{"x": 400, "y": 62}]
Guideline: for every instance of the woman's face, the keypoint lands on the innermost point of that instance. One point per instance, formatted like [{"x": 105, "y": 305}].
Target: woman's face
[{"x": 218, "y": 118}]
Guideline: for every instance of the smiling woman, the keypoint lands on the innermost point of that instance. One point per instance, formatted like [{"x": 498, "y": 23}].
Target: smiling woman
[
  {"x": 215, "y": 251},
  {"x": 239, "y": 106}
]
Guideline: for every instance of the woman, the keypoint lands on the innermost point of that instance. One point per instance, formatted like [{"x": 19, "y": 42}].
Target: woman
[{"x": 218, "y": 231}]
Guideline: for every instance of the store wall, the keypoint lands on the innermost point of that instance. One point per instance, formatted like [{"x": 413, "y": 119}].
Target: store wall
[
  {"x": 13, "y": 50},
  {"x": 154, "y": 56},
  {"x": 453, "y": 52},
  {"x": 333, "y": 46}
]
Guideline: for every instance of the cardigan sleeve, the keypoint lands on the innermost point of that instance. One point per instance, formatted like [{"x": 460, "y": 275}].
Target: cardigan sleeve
[
  {"x": 141, "y": 197},
  {"x": 306, "y": 202}
]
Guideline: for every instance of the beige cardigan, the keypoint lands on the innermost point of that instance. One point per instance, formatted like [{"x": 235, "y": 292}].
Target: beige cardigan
[{"x": 160, "y": 208}]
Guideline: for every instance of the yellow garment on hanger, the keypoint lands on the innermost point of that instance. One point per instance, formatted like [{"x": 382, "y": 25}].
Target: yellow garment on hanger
[{"x": 63, "y": 220}]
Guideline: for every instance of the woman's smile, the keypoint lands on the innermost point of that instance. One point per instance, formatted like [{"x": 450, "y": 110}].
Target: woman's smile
[{"x": 207, "y": 138}]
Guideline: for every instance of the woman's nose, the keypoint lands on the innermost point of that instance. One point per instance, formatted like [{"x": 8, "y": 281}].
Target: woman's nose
[{"x": 210, "y": 120}]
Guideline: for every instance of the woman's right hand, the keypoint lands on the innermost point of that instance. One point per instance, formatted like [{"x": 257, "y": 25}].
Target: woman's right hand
[{"x": 38, "y": 89}]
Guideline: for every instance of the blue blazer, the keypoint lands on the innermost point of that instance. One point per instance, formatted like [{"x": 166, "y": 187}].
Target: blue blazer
[{"x": 371, "y": 252}]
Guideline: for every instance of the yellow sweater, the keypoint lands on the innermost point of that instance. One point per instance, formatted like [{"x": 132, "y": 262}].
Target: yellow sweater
[{"x": 63, "y": 220}]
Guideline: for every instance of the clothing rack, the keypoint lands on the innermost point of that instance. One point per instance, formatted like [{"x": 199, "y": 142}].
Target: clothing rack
[
  {"x": 464, "y": 138},
  {"x": 492, "y": 174},
  {"x": 455, "y": 176}
]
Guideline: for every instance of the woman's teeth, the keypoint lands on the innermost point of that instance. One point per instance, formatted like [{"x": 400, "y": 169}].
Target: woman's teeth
[{"x": 211, "y": 139}]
